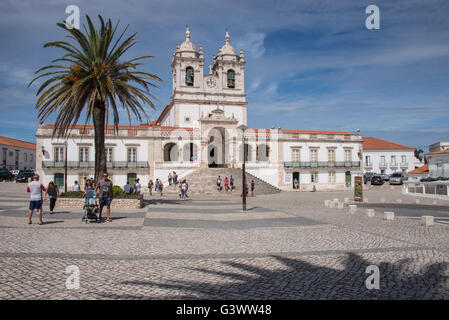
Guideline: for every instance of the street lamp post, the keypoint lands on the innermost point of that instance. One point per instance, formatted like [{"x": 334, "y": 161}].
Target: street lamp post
[
  {"x": 243, "y": 128},
  {"x": 65, "y": 167}
]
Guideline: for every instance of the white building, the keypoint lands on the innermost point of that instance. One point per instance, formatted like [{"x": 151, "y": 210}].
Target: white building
[
  {"x": 385, "y": 157},
  {"x": 439, "y": 146},
  {"x": 17, "y": 154},
  {"x": 438, "y": 163},
  {"x": 200, "y": 128}
]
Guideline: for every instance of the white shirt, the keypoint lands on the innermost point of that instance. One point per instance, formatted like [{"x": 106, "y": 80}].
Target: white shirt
[
  {"x": 76, "y": 187},
  {"x": 35, "y": 189}
]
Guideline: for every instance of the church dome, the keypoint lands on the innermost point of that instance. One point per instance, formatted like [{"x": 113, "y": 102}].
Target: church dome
[
  {"x": 187, "y": 45},
  {"x": 227, "y": 48}
]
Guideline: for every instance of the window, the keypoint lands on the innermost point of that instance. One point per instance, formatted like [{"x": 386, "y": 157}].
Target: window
[
  {"x": 187, "y": 119},
  {"x": 25, "y": 157},
  {"x": 108, "y": 154},
  {"x": 331, "y": 155},
  {"x": 348, "y": 155},
  {"x": 231, "y": 79},
  {"x": 59, "y": 154},
  {"x": 314, "y": 177},
  {"x": 296, "y": 154},
  {"x": 368, "y": 160},
  {"x": 31, "y": 157},
  {"x": 393, "y": 159},
  {"x": 189, "y": 77},
  {"x": 313, "y": 155},
  {"x": 404, "y": 159},
  {"x": 84, "y": 154},
  {"x": 132, "y": 154},
  {"x": 382, "y": 159},
  {"x": 332, "y": 177}
]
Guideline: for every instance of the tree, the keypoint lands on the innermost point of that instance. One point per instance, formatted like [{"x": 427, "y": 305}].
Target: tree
[
  {"x": 418, "y": 153},
  {"x": 89, "y": 78}
]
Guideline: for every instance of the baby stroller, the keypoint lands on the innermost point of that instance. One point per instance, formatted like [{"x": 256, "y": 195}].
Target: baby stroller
[{"x": 90, "y": 208}]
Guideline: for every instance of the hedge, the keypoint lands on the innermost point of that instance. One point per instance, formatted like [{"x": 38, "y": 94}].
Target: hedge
[{"x": 119, "y": 193}]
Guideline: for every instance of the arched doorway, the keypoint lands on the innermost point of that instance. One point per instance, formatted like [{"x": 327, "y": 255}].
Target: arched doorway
[
  {"x": 189, "y": 152},
  {"x": 216, "y": 149},
  {"x": 171, "y": 152}
]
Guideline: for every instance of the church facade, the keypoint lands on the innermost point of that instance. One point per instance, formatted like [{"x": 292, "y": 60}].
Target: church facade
[{"x": 205, "y": 125}]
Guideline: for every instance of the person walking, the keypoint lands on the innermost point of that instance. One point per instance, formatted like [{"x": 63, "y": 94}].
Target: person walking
[
  {"x": 231, "y": 182},
  {"x": 219, "y": 183},
  {"x": 137, "y": 186},
  {"x": 106, "y": 195},
  {"x": 35, "y": 189},
  {"x": 226, "y": 182},
  {"x": 253, "y": 186},
  {"x": 53, "y": 194},
  {"x": 161, "y": 186},
  {"x": 150, "y": 186},
  {"x": 296, "y": 184},
  {"x": 170, "y": 179},
  {"x": 183, "y": 190},
  {"x": 156, "y": 186},
  {"x": 187, "y": 188},
  {"x": 175, "y": 178}
]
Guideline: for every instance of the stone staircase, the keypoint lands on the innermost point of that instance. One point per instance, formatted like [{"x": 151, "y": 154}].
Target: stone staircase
[{"x": 204, "y": 181}]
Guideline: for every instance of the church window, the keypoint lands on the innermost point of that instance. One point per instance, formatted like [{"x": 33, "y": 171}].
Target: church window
[
  {"x": 189, "y": 76},
  {"x": 231, "y": 79}
]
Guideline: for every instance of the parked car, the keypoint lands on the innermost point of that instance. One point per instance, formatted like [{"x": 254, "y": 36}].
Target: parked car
[
  {"x": 5, "y": 175},
  {"x": 367, "y": 177},
  {"x": 377, "y": 180},
  {"x": 385, "y": 177},
  {"x": 24, "y": 175},
  {"x": 14, "y": 172},
  {"x": 397, "y": 178}
]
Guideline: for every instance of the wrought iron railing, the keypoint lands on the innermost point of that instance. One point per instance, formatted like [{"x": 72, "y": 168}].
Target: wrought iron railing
[
  {"x": 322, "y": 164},
  {"x": 91, "y": 164}
]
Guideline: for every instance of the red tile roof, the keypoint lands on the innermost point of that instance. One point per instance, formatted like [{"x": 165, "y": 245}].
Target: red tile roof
[
  {"x": 315, "y": 132},
  {"x": 438, "y": 152},
  {"x": 423, "y": 169},
  {"x": 371, "y": 143},
  {"x": 17, "y": 143}
]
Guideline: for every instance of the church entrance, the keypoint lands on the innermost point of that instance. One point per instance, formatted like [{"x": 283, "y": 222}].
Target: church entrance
[{"x": 216, "y": 148}]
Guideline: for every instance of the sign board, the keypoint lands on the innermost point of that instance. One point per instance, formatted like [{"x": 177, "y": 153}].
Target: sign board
[
  {"x": 358, "y": 189},
  {"x": 356, "y": 172},
  {"x": 288, "y": 177}
]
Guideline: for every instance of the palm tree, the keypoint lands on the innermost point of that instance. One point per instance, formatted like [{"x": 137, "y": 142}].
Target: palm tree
[{"x": 89, "y": 79}]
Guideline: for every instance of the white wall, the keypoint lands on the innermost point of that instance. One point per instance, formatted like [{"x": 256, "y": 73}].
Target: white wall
[
  {"x": 375, "y": 156},
  {"x": 29, "y": 163}
]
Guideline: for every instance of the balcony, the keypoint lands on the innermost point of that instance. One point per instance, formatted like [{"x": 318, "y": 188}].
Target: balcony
[
  {"x": 321, "y": 164},
  {"x": 404, "y": 164},
  {"x": 383, "y": 165},
  {"x": 91, "y": 164}
]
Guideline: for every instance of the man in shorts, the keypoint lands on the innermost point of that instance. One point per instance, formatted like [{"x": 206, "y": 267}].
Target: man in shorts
[
  {"x": 35, "y": 188},
  {"x": 106, "y": 195}
]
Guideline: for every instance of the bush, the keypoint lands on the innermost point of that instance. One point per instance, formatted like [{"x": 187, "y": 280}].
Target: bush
[
  {"x": 72, "y": 194},
  {"x": 118, "y": 191}
]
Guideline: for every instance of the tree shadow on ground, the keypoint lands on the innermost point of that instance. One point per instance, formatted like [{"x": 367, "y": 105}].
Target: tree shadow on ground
[
  {"x": 148, "y": 202},
  {"x": 304, "y": 280}
]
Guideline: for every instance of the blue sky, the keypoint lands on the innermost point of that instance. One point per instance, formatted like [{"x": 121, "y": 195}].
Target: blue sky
[{"x": 311, "y": 64}]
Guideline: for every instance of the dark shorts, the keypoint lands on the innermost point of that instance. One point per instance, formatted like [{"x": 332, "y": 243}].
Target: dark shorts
[
  {"x": 105, "y": 201},
  {"x": 35, "y": 204}
]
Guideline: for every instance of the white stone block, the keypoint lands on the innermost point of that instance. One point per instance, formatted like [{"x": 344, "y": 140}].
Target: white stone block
[
  {"x": 326, "y": 203},
  {"x": 340, "y": 205},
  {"x": 331, "y": 204},
  {"x": 352, "y": 208},
  {"x": 389, "y": 215},
  {"x": 370, "y": 213},
  {"x": 346, "y": 200},
  {"x": 392, "y": 188},
  {"x": 399, "y": 200},
  {"x": 427, "y": 221},
  {"x": 417, "y": 201},
  {"x": 365, "y": 200}
]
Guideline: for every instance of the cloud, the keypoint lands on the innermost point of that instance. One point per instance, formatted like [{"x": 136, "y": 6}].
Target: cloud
[{"x": 253, "y": 44}]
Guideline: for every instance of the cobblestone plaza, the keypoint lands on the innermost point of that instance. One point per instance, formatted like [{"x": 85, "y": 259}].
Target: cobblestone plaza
[{"x": 286, "y": 246}]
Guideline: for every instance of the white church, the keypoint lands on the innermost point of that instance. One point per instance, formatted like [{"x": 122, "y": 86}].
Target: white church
[{"x": 202, "y": 128}]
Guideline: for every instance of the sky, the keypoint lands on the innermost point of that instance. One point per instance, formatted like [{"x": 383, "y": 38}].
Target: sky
[{"x": 310, "y": 64}]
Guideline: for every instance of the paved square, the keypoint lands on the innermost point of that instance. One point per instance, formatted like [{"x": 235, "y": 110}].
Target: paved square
[{"x": 286, "y": 246}]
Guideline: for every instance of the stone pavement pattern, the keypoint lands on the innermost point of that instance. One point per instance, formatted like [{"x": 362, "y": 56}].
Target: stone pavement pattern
[{"x": 287, "y": 246}]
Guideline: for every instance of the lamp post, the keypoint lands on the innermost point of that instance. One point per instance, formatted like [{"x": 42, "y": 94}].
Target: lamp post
[
  {"x": 65, "y": 167},
  {"x": 243, "y": 129}
]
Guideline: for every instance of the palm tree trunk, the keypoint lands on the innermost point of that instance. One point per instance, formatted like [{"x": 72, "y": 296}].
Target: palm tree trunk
[{"x": 99, "y": 113}]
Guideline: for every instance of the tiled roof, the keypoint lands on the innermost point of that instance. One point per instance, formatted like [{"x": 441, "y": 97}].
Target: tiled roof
[
  {"x": 438, "y": 152},
  {"x": 423, "y": 169},
  {"x": 90, "y": 126},
  {"x": 371, "y": 143},
  {"x": 17, "y": 143},
  {"x": 315, "y": 132}
]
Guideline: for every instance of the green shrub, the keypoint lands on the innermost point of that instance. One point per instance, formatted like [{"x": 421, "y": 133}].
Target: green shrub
[
  {"x": 72, "y": 194},
  {"x": 118, "y": 191}
]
